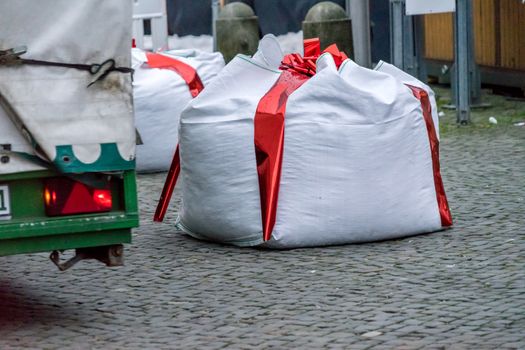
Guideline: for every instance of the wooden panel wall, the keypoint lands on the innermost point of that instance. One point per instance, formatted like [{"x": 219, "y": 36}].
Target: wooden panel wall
[
  {"x": 512, "y": 29},
  {"x": 484, "y": 18},
  {"x": 439, "y": 36},
  {"x": 499, "y": 34}
]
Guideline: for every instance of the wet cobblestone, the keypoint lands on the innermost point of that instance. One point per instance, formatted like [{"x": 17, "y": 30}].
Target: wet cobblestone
[{"x": 459, "y": 289}]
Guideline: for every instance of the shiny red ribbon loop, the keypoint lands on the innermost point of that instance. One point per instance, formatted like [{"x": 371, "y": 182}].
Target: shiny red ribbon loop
[
  {"x": 444, "y": 210},
  {"x": 306, "y": 65},
  {"x": 187, "y": 72}
]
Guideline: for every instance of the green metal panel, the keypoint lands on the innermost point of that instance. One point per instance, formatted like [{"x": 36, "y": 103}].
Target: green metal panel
[
  {"x": 28, "y": 175},
  {"x": 130, "y": 191},
  {"x": 109, "y": 160},
  {"x": 67, "y": 224},
  {"x": 29, "y": 222},
  {"x": 64, "y": 241}
]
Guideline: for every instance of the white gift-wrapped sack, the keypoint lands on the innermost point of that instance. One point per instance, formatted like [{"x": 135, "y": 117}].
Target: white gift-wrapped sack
[
  {"x": 357, "y": 163},
  {"x": 159, "y": 95}
]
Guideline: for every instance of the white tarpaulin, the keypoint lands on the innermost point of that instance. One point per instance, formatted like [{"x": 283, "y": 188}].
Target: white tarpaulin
[
  {"x": 159, "y": 96},
  {"x": 357, "y": 163},
  {"x": 76, "y": 127}
]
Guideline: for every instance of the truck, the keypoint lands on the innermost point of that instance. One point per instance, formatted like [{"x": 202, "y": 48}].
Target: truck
[{"x": 67, "y": 135}]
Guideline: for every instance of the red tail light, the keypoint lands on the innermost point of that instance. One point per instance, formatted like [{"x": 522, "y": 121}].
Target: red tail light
[{"x": 63, "y": 196}]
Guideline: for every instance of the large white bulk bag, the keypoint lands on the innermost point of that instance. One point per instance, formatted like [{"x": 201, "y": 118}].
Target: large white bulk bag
[
  {"x": 159, "y": 95},
  {"x": 359, "y": 163}
]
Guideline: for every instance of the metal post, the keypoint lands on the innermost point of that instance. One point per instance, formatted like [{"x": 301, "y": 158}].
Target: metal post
[
  {"x": 461, "y": 48},
  {"x": 474, "y": 74},
  {"x": 396, "y": 32},
  {"x": 360, "y": 16},
  {"x": 347, "y": 8},
  {"x": 419, "y": 35},
  {"x": 406, "y": 41},
  {"x": 215, "y": 6},
  {"x": 409, "y": 60}
]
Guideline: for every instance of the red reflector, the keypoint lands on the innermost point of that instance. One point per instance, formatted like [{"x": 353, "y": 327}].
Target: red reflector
[
  {"x": 63, "y": 196},
  {"x": 102, "y": 198}
]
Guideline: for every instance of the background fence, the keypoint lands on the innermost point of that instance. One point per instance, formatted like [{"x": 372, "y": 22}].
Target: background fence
[{"x": 499, "y": 34}]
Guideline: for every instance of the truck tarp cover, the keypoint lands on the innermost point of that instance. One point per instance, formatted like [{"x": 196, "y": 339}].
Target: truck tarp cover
[{"x": 78, "y": 120}]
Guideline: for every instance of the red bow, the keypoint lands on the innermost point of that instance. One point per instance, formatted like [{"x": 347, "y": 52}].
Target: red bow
[{"x": 312, "y": 50}]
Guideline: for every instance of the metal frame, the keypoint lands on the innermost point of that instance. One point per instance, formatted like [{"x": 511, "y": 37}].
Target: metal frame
[
  {"x": 406, "y": 52},
  {"x": 488, "y": 75},
  {"x": 359, "y": 13},
  {"x": 155, "y": 11},
  {"x": 215, "y": 9},
  {"x": 407, "y": 30},
  {"x": 397, "y": 11},
  {"x": 463, "y": 53}
]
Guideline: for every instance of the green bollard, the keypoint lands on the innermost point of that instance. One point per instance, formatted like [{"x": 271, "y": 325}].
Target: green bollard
[
  {"x": 237, "y": 30},
  {"x": 329, "y": 22}
]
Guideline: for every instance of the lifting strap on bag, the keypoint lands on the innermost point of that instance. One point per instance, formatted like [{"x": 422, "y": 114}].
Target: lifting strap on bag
[
  {"x": 444, "y": 210},
  {"x": 187, "y": 72},
  {"x": 190, "y": 76},
  {"x": 269, "y": 143}
]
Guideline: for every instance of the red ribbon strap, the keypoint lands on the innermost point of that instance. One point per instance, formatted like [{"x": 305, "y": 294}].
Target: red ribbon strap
[
  {"x": 444, "y": 210},
  {"x": 190, "y": 76},
  {"x": 269, "y": 142},
  {"x": 269, "y": 125},
  {"x": 312, "y": 50},
  {"x": 187, "y": 72},
  {"x": 169, "y": 186}
]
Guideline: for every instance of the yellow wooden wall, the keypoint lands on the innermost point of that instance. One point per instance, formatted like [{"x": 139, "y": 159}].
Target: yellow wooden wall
[
  {"x": 439, "y": 36},
  {"x": 499, "y": 34}
]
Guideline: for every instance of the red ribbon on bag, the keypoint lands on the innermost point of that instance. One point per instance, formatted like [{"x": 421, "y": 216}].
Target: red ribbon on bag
[
  {"x": 444, "y": 210},
  {"x": 190, "y": 76},
  {"x": 169, "y": 186},
  {"x": 187, "y": 72},
  {"x": 269, "y": 142},
  {"x": 269, "y": 124},
  {"x": 306, "y": 64}
]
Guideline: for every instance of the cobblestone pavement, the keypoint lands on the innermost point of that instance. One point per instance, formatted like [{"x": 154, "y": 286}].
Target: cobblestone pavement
[{"x": 463, "y": 288}]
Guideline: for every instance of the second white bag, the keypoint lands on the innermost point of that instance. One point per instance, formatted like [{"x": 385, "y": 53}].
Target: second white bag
[{"x": 159, "y": 96}]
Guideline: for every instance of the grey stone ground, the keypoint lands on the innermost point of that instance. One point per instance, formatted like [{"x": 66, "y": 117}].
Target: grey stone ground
[{"x": 463, "y": 288}]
